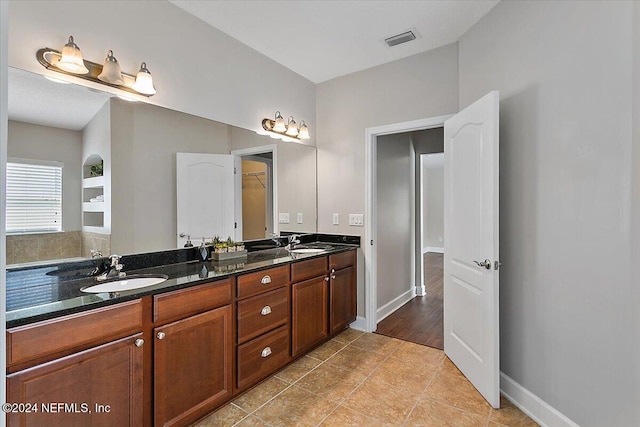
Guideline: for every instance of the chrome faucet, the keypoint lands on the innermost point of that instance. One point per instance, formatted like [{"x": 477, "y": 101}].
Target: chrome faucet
[
  {"x": 113, "y": 269},
  {"x": 293, "y": 239}
]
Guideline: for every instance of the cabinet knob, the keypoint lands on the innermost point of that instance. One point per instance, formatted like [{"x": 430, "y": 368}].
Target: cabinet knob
[
  {"x": 161, "y": 335},
  {"x": 326, "y": 279},
  {"x": 266, "y": 352},
  {"x": 139, "y": 342},
  {"x": 265, "y": 310},
  {"x": 266, "y": 279},
  {"x": 333, "y": 276},
  {"x": 333, "y": 270}
]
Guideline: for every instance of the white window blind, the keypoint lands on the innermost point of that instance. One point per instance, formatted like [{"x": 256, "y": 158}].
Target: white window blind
[{"x": 34, "y": 196}]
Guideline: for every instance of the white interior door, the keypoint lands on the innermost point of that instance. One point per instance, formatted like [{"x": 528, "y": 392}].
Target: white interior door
[
  {"x": 205, "y": 196},
  {"x": 471, "y": 329}
]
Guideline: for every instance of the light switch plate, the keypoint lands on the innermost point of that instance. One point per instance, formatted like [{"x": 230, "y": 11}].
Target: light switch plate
[
  {"x": 299, "y": 219},
  {"x": 336, "y": 219},
  {"x": 283, "y": 218},
  {"x": 356, "y": 220}
]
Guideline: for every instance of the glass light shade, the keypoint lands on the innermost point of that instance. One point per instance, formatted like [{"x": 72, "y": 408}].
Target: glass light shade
[
  {"x": 304, "y": 131},
  {"x": 279, "y": 125},
  {"x": 71, "y": 59},
  {"x": 144, "y": 81},
  {"x": 111, "y": 72},
  {"x": 292, "y": 127}
]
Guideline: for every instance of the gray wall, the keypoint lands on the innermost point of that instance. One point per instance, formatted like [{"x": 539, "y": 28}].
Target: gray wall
[
  {"x": 569, "y": 332},
  {"x": 393, "y": 212},
  {"x": 433, "y": 206},
  {"x": 145, "y": 140},
  {"x": 420, "y": 86},
  {"x": 36, "y": 142}
]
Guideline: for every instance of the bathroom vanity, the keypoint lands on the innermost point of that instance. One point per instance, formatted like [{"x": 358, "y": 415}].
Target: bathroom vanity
[{"x": 170, "y": 353}]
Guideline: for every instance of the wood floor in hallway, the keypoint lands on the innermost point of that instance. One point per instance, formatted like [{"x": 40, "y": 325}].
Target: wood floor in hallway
[{"x": 421, "y": 319}]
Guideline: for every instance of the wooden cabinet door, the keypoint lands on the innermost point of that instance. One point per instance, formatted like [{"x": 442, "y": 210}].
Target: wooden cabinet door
[
  {"x": 343, "y": 298},
  {"x": 192, "y": 366},
  {"x": 309, "y": 313},
  {"x": 101, "y": 386}
]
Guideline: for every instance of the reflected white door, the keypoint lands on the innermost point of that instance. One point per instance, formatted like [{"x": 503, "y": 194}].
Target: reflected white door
[
  {"x": 205, "y": 196},
  {"x": 471, "y": 328}
]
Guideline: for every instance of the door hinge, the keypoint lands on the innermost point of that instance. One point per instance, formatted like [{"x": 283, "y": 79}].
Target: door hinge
[
  {"x": 235, "y": 225},
  {"x": 371, "y": 242},
  {"x": 234, "y": 170}
]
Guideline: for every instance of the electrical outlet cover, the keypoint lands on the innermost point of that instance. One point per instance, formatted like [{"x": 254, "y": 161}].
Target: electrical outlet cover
[{"x": 336, "y": 219}]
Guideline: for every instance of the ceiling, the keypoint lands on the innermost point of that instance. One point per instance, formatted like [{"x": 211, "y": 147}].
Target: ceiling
[
  {"x": 34, "y": 99},
  {"x": 322, "y": 40}
]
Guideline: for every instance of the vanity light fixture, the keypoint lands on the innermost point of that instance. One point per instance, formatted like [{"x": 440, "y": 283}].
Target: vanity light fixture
[
  {"x": 289, "y": 132},
  {"x": 70, "y": 62}
]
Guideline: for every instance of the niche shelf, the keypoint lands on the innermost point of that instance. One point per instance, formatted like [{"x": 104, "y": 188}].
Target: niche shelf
[{"x": 93, "y": 188}]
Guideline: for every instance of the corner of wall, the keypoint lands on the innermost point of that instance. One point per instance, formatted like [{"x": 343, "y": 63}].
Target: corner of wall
[{"x": 4, "y": 71}]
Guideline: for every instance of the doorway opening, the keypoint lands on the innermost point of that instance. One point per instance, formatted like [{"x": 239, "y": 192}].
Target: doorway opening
[
  {"x": 378, "y": 302},
  {"x": 410, "y": 213},
  {"x": 255, "y": 192}
]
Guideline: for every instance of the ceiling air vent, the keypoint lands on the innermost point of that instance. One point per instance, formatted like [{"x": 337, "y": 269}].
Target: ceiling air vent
[{"x": 407, "y": 36}]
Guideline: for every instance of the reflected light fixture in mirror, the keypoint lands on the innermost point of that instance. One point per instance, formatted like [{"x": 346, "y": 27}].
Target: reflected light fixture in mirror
[
  {"x": 288, "y": 133},
  {"x": 70, "y": 62}
]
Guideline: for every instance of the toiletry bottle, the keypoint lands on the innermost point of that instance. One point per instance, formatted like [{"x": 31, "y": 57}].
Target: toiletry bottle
[{"x": 188, "y": 244}]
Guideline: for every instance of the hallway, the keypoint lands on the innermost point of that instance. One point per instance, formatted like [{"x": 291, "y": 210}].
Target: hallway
[{"x": 421, "y": 319}]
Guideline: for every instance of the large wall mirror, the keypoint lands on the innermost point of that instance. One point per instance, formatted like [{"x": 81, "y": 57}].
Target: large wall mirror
[{"x": 116, "y": 162}]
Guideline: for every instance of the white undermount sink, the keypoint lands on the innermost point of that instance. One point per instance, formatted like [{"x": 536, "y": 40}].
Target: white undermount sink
[
  {"x": 307, "y": 251},
  {"x": 125, "y": 284}
]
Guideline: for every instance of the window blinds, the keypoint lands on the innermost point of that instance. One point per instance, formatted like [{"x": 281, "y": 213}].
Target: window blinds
[{"x": 34, "y": 197}]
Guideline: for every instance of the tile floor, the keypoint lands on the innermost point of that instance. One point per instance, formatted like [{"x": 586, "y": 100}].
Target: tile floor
[{"x": 362, "y": 379}]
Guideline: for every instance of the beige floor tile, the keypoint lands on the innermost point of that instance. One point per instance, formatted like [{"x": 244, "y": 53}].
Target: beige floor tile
[
  {"x": 327, "y": 349},
  {"x": 348, "y": 335},
  {"x": 345, "y": 417},
  {"x": 399, "y": 373},
  {"x": 226, "y": 416},
  {"x": 295, "y": 407},
  {"x": 509, "y": 415},
  {"x": 448, "y": 367},
  {"x": 357, "y": 359},
  {"x": 252, "y": 421},
  {"x": 429, "y": 413},
  {"x": 458, "y": 392},
  {"x": 331, "y": 382},
  {"x": 378, "y": 343},
  {"x": 298, "y": 369},
  {"x": 379, "y": 400},
  {"x": 418, "y": 354},
  {"x": 260, "y": 394}
]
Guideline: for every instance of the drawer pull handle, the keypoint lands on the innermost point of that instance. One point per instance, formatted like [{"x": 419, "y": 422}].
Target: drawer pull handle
[
  {"x": 161, "y": 335},
  {"x": 266, "y": 279},
  {"x": 266, "y": 352},
  {"x": 265, "y": 310},
  {"x": 139, "y": 342}
]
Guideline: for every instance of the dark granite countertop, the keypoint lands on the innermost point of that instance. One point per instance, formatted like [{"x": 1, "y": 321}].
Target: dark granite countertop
[{"x": 49, "y": 291}]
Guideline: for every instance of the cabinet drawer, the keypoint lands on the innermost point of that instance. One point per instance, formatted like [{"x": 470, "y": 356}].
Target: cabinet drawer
[
  {"x": 342, "y": 260},
  {"x": 185, "y": 302},
  {"x": 262, "y": 356},
  {"x": 307, "y": 269},
  {"x": 259, "y": 314},
  {"x": 74, "y": 332},
  {"x": 261, "y": 281}
]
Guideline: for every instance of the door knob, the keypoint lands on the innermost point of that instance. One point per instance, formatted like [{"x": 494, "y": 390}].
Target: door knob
[{"x": 486, "y": 264}]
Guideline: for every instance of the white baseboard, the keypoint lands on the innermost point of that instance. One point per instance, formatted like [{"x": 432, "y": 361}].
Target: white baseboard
[
  {"x": 360, "y": 324},
  {"x": 395, "y": 304},
  {"x": 432, "y": 249},
  {"x": 536, "y": 408}
]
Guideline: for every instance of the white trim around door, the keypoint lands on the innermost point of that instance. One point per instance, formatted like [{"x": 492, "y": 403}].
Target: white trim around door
[{"x": 370, "y": 138}]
